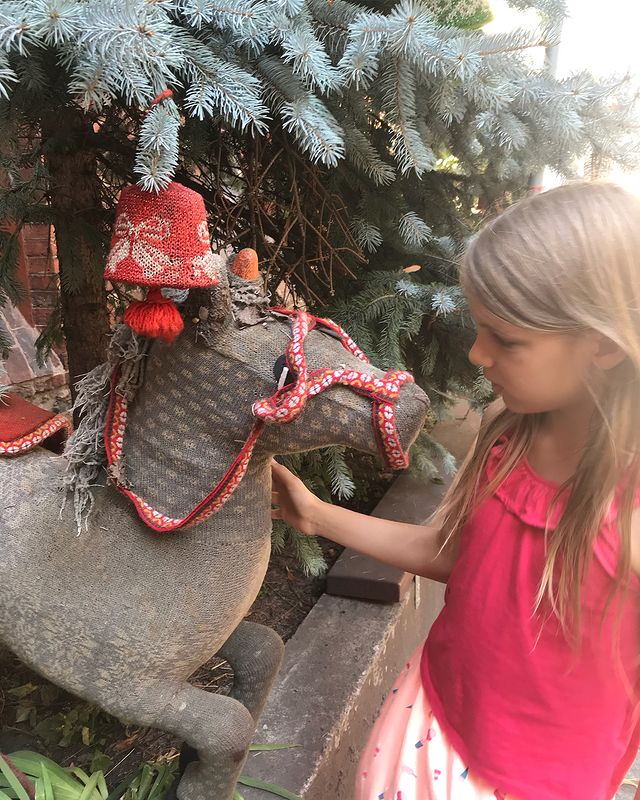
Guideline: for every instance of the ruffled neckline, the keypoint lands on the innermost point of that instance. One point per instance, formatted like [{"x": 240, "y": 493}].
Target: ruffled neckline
[
  {"x": 529, "y": 496},
  {"x": 525, "y": 493}
]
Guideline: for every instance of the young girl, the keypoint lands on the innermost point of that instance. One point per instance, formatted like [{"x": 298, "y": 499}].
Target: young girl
[{"x": 528, "y": 685}]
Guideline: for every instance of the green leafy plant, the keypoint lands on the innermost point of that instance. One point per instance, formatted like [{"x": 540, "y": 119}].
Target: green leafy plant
[
  {"x": 50, "y": 781},
  {"x": 42, "y": 709},
  {"x": 150, "y": 781}
]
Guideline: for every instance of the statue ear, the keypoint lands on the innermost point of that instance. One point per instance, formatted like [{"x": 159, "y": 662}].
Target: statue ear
[
  {"x": 239, "y": 293},
  {"x": 245, "y": 265},
  {"x": 249, "y": 297}
]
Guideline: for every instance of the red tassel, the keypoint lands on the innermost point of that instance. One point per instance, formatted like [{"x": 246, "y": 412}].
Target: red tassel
[{"x": 157, "y": 317}]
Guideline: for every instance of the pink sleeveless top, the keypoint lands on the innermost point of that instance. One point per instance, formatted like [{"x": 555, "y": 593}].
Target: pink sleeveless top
[{"x": 526, "y": 711}]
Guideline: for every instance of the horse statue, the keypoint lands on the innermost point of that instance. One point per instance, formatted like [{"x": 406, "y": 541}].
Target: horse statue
[{"x": 122, "y": 614}]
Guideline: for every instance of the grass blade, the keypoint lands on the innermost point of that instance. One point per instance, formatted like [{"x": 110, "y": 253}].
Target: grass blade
[
  {"x": 102, "y": 785},
  {"x": 258, "y": 748},
  {"x": 146, "y": 777},
  {"x": 279, "y": 791},
  {"x": 81, "y": 775},
  {"x": 90, "y": 787},
  {"x": 14, "y": 783},
  {"x": 46, "y": 784},
  {"x": 31, "y": 764},
  {"x": 121, "y": 788}
]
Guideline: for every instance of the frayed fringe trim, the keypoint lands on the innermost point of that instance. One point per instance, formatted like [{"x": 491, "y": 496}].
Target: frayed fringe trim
[{"x": 85, "y": 450}]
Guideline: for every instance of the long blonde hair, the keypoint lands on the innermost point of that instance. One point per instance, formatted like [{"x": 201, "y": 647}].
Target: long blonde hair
[{"x": 565, "y": 261}]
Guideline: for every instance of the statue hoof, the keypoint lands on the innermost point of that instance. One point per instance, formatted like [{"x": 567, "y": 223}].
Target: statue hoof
[{"x": 187, "y": 755}]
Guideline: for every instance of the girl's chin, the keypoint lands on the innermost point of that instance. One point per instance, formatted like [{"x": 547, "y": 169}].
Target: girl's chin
[
  {"x": 513, "y": 404},
  {"x": 519, "y": 408}
]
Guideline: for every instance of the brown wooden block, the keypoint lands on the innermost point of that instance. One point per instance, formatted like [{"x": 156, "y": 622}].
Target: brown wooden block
[{"x": 357, "y": 575}]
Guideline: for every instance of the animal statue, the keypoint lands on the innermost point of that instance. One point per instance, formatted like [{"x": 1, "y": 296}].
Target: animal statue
[{"x": 122, "y": 613}]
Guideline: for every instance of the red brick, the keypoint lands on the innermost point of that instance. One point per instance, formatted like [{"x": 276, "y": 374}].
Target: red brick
[
  {"x": 44, "y": 299},
  {"x": 37, "y": 230},
  {"x": 39, "y": 264},
  {"x": 47, "y": 280},
  {"x": 41, "y": 316},
  {"x": 36, "y": 247}
]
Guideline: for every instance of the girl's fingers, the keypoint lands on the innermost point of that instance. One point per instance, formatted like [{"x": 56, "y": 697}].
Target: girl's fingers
[
  {"x": 275, "y": 497},
  {"x": 280, "y": 473},
  {"x": 276, "y": 513}
]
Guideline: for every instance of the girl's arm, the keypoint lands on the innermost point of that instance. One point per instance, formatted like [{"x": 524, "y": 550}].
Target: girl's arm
[{"x": 413, "y": 548}]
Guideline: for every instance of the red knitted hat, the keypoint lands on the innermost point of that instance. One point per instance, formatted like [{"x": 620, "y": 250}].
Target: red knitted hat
[{"x": 161, "y": 239}]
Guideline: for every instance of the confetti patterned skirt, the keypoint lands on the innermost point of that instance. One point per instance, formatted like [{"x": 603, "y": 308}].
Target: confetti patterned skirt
[{"x": 407, "y": 756}]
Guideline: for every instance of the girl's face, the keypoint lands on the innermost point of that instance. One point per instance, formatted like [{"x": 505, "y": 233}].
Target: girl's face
[{"x": 533, "y": 371}]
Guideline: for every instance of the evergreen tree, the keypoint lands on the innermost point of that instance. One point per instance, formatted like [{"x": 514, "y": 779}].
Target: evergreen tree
[{"x": 344, "y": 140}]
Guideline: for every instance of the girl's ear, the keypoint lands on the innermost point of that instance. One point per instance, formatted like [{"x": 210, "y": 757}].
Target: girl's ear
[{"x": 607, "y": 354}]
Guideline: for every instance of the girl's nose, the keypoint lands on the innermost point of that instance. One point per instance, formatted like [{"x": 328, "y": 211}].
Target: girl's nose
[{"x": 478, "y": 356}]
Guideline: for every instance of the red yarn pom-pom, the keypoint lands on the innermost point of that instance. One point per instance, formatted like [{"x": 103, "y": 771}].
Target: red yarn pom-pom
[{"x": 157, "y": 317}]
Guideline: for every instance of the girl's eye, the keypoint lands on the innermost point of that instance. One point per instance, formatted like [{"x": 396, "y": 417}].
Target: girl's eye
[{"x": 505, "y": 342}]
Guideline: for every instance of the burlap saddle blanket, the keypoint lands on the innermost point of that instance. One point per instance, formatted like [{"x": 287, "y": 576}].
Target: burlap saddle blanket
[{"x": 24, "y": 425}]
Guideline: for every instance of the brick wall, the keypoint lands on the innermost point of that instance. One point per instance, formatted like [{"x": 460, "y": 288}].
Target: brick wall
[{"x": 38, "y": 274}]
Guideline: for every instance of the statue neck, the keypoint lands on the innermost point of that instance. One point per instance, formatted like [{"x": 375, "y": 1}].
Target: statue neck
[{"x": 185, "y": 427}]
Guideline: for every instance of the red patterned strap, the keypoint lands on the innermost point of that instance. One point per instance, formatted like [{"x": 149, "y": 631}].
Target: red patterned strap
[
  {"x": 289, "y": 402},
  {"x": 283, "y": 407}
]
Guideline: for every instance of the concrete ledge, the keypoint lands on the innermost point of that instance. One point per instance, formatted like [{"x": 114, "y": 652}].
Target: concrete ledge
[{"x": 338, "y": 667}]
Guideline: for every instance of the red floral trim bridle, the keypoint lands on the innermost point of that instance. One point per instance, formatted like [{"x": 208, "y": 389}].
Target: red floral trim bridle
[{"x": 284, "y": 406}]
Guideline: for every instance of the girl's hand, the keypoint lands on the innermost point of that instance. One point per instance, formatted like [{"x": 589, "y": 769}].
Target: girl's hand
[{"x": 291, "y": 501}]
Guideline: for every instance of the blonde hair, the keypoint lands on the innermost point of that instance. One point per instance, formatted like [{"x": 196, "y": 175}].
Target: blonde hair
[{"x": 565, "y": 261}]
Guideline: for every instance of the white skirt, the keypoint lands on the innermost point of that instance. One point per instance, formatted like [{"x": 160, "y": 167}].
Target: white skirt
[{"x": 408, "y": 757}]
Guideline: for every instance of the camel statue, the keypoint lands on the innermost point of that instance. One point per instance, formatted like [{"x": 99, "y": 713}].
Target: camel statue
[{"x": 122, "y": 613}]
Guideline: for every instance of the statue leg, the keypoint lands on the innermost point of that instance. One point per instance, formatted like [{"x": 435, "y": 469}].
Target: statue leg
[
  {"x": 220, "y": 729},
  {"x": 255, "y": 654}
]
